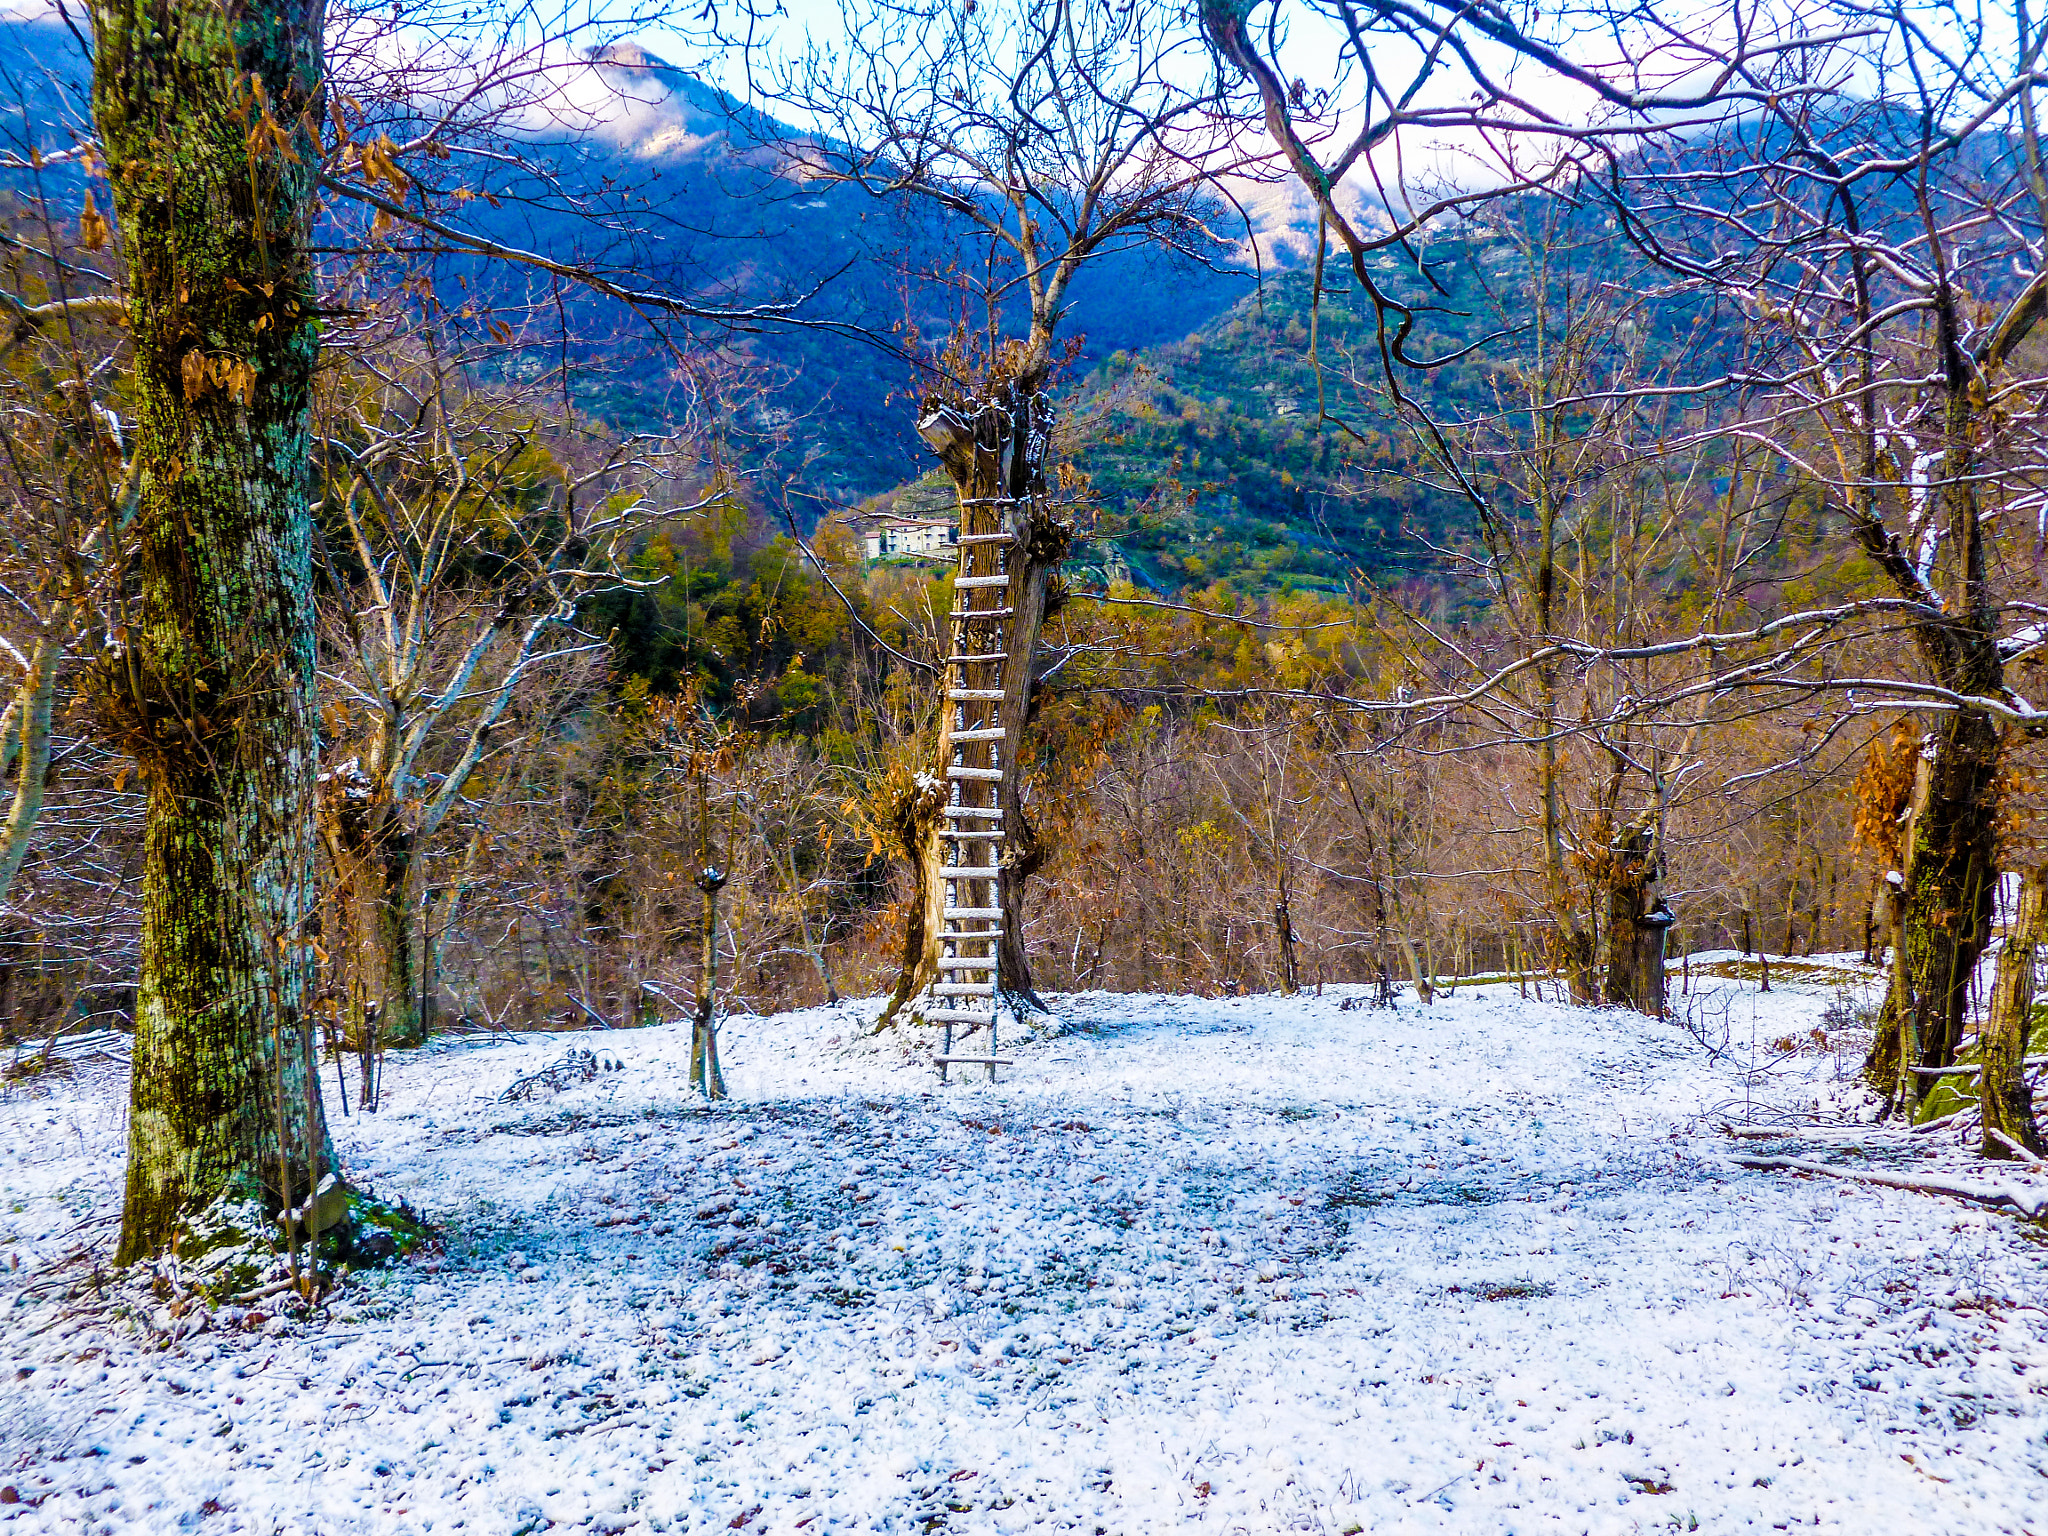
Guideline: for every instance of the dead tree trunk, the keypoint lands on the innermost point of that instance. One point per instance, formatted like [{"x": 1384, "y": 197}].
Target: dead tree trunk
[
  {"x": 1283, "y": 932},
  {"x": 705, "y": 1076}
]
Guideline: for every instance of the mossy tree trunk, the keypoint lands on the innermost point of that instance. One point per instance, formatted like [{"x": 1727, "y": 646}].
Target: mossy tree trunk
[
  {"x": 2008, "y": 1103},
  {"x": 1881, "y": 1066},
  {"x": 1949, "y": 883},
  {"x": 206, "y": 114},
  {"x": 1949, "y": 871}
]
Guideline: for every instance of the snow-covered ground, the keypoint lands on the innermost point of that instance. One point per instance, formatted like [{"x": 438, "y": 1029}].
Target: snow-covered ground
[{"x": 1250, "y": 1264}]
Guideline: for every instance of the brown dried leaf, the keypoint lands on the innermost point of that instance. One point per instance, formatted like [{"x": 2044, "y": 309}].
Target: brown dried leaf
[{"x": 92, "y": 228}]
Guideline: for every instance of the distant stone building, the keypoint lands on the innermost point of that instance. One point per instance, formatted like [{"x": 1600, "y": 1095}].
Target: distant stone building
[{"x": 909, "y": 536}]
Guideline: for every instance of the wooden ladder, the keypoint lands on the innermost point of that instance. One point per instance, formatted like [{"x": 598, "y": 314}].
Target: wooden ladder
[{"x": 967, "y": 990}]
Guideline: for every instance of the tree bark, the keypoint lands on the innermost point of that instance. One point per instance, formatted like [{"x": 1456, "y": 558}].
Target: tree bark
[
  {"x": 911, "y": 819},
  {"x": 371, "y": 851},
  {"x": 1949, "y": 874},
  {"x": 206, "y": 116},
  {"x": 1888, "y": 1050},
  {"x": 2008, "y": 1103},
  {"x": 1571, "y": 946},
  {"x": 1041, "y": 546}
]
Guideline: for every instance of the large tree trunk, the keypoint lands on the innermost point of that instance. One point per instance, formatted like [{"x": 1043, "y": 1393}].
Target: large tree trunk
[
  {"x": 1570, "y": 945},
  {"x": 2007, "y": 1101},
  {"x": 205, "y": 116},
  {"x": 384, "y": 995},
  {"x": 911, "y": 818},
  {"x": 993, "y": 451},
  {"x": 1637, "y": 921},
  {"x": 1950, "y": 877},
  {"x": 398, "y": 994},
  {"x": 1034, "y": 558},
  {"x": 1887, "y": 1051}
]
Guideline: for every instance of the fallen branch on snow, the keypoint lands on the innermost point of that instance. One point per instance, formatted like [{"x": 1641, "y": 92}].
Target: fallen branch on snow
[
  {"x": 1928, "y": 1127},
  {"x": 576, "y": 1067},
  {"x": 1972, "y": 1068},
  {"x": 1815, "y": 1130},
  {"x": 2030, "y": 1203},
  {"x": 2017, "y": 1150}
]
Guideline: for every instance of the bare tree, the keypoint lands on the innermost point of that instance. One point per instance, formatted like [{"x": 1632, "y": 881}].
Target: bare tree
[
  {"x": 69, "y": 483},
  {"x": 1057, "y": 134},
  {"x": 1864, "y": 183},
  {"x": 471, "y": 529},
  {"x": 210, "y": 148}
]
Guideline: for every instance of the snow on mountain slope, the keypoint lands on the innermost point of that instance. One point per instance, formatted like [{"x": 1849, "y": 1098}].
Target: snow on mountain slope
[{"x": 1253, "y": 1264}]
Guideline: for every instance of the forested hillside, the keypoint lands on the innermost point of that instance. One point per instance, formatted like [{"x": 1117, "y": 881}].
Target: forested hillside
[
  {"x": 1237, "y": 453},
  {"x": 1192, "y": 391}
]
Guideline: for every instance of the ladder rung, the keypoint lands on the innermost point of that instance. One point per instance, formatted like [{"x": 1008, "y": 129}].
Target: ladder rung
[
  {"x": 964, "y": 989},
  {"x": 967, "y": 963},
  {"x": 963, "y": 872},
  {"x": 974, "y": 1061},
  {"x": 966, "y": 583},
  {"x": 986, "y": 812},
  {"x": 970, "y": 912},
  {"x": 961, "y": 661},
  {"x": 993, "y": 733},
  {"x": 994, "y": 775},
  {"x": 973, "y": 695},
  {"x": 987, "y": 538},
  {"x": 963, "y": 835},
  {"x": 959, "y": 1016},
  {"x": 980, "y": 613}
]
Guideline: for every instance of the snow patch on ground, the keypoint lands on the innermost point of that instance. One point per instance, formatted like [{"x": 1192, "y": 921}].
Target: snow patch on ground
[{"x": 1253, "y": 1264}]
